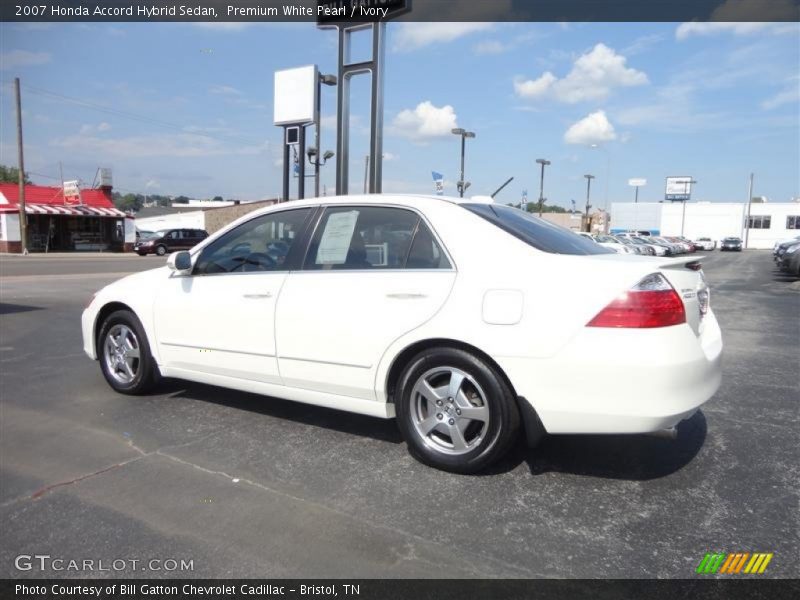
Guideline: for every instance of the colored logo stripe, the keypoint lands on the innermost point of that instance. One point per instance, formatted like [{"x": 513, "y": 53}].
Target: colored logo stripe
[{"x": 734, "y": 562}]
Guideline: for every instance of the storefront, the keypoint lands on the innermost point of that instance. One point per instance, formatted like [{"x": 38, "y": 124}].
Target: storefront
[{"x": 54, "y": 225}]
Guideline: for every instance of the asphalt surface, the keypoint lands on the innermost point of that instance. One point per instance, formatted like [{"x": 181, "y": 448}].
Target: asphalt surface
[{"x": 248, "y": 486}]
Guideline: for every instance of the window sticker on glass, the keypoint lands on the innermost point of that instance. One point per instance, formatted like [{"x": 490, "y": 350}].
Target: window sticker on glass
[{"x": 336, "y": 238}]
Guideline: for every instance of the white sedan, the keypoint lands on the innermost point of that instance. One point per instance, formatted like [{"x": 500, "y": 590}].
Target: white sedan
[{"x": 469, "y": 322}]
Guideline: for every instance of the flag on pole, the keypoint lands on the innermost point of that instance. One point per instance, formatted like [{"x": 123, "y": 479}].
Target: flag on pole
[
  {"x": 573, "y": 205},
  {"x": 438, "y": 181}
]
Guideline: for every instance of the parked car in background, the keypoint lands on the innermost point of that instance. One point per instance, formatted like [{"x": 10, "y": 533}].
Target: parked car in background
[
  {"x": 169, "y": 240},
  {"x": 688, "y": 245},
  {"x": 651, "y": 248},
  {"x": 783, "y": 249},
  {"x": 705, "y": 243},
  {"x": 731, "y": 243},
  {"x": 672, "y": 248},
  {"x": 609, "y": 241},
  {"x": 791, "y": 261},
  {"x": 637, "y": 249},
  {"x": 464, "y": 319},
  {"x": 779, "y": 242}
]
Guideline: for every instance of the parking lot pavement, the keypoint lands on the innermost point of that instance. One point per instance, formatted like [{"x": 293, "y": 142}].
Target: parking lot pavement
[{"x": 251, "y": 486}]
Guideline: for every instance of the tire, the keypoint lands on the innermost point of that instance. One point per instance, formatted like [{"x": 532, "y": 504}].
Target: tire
[
  {"x": 453, "y": 441},
  {"x": 161, "y": 250},
  {"x": 122, "y": 342},
  {"x": 142, "y": 253}
]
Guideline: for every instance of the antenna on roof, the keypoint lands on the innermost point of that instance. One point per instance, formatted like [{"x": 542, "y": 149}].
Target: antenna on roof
[{"x": 498, "y": 190}]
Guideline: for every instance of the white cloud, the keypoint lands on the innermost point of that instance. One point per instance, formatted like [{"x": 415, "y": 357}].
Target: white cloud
[
  {"x": 179, "y": 145},
  {"x": 152, "y": 184},
  {"x": 694, "y": 28},
  {"x": 425, "y": 122},
  {"x": 490, "y": 47},
  {"x": 224, "y": 90},
  {"x": 593, "y": 77},
  {"x": 789, "y": 95},
  {"x": 23, "y": 58},
  {"x": 412, "y": 36},
  {"x": 90, "y": 129},
  {"x": 592, "y": 129},
  {"x": 387, "y": 156}
]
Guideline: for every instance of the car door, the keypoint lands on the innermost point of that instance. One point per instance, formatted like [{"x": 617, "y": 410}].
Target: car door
[
  {"x": 220, "y": 319},
  {"x": 371, "y": 274}
]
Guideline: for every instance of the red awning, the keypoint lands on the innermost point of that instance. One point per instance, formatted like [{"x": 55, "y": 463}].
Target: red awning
[{"x": 64, "y": 209}]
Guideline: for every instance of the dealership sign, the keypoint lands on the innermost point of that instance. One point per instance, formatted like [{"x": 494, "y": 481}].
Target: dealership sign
[
  {"x": 678, "y": 188},
  {"x": 637, "y": 182}
]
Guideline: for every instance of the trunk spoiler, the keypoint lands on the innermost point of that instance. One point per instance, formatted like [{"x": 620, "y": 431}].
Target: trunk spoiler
[{"x": 690, "y": 262}]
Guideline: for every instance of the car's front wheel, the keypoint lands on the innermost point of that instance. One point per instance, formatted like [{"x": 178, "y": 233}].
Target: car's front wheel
[
  {"x": 161, "y": 250},
  {"x": 124, "y": 354},
  {"x": 456, "y": 412}
]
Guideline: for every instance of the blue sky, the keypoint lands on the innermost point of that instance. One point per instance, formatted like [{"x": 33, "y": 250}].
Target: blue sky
[{"x": 714, "y": 101}]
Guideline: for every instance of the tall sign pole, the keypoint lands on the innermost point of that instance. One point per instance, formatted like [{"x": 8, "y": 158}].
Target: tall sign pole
[
  {"x": 348, "y": 69},
  {"x": 749, "y": 204},
  {"x": 23, "y": 219}
]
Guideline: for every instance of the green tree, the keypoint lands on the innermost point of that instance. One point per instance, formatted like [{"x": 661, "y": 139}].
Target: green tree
[
  {"x": 217, "y": 199},
  {"x": 11, "y": 175}
]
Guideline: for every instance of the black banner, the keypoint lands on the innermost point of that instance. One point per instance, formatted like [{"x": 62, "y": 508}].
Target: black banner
[
  {"x": 416, "y": 589},
  {"x": 422, "y": 10}
]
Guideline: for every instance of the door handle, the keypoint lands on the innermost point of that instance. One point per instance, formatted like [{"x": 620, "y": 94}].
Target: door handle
[
  {"x": 257, "y": 296},
  {"x": 406, "y": 296}
]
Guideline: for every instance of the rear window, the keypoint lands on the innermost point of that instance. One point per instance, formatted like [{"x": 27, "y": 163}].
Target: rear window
[{"x": 536, "y": 232}]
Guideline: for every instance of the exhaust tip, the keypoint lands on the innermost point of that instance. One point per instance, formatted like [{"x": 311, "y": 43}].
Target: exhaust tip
[{"x": 665, "y": 434}]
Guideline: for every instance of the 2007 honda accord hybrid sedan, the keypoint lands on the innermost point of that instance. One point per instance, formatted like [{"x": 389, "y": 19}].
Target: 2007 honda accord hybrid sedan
[{"x": 470, "y": 322}]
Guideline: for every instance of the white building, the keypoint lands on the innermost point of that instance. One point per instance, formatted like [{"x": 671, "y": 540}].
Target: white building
[{"x": 769, "y": 221}]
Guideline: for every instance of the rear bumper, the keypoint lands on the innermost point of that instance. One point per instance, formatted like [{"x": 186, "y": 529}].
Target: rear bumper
[{"x": 622, "y": 381}]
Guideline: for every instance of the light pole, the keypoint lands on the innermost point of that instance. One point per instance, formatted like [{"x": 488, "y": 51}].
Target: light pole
[
  {"x": 462, "y": 185},
  {"x": 686, "y": 185},
  {"x": 544, "y": 163},
  {"x": 747, "y": 218},
  {"x": 588, "y": 206},
  {"x": 321, "y": 80}
]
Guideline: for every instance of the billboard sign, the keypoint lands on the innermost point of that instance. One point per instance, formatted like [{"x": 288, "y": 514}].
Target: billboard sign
[
  {"x": 678, "y": 188},
  {"x": 295, "y": 96},
  {"x": 637, "y": 182},
  {"x": 438, "y": 182}
]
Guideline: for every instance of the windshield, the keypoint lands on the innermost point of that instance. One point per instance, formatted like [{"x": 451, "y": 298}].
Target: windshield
[
  {"x": 606, "y": 239},
  {"x": 536, "y": 232},
  {"x": 732, "y": 240},
  {"x": 161, "y": 233}
]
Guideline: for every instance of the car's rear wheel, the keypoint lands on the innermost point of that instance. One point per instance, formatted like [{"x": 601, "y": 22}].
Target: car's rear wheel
[
  {"x": 161, "y": 250},
  {"x": 456, "y": 412},
  {"x": 124, "y": 354}
]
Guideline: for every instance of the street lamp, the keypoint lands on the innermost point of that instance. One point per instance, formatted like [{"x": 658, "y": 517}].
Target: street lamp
[
  {"x": 462, "y": 185},
  {"x": 544, "y": 163},
  {"x": 588, "y": 206},
  {"x": 321, "y": 80}
]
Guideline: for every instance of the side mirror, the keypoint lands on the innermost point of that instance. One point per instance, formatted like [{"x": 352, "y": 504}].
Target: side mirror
[{"x": 180, "y": 262}]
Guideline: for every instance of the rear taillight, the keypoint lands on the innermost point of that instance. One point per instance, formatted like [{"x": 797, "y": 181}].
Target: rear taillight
[{"x": 652, "y": 302}]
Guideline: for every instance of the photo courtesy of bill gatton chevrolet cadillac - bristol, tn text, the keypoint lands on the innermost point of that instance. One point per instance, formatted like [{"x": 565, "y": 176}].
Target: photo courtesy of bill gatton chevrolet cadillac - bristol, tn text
[{"x": 471, "y": 323}]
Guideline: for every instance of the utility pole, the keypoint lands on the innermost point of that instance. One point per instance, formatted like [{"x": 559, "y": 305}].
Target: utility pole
[
  {"x": 542, "y": 162},
  {"x": 366, "y": 172},
  {"x": 588, "y": 206},
  {"x": 23, "y": 219},
  {"x": 747, "y": 219}
]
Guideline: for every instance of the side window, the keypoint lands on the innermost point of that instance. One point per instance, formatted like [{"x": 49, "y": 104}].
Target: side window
[
  {"x": 260, "y": 244},
  {"x": 173, "y": 235},
  {"x": 425, "y": 253},
  {"x": 364, "y": 237}
]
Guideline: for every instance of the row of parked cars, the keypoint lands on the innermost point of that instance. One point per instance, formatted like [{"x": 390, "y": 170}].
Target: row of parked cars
[
  {"x": 786, "y": 254},
  {"x": 642, "y": 242}
]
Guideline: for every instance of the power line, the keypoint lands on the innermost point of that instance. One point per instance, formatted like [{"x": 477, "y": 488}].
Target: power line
[{"x": 134, "y": 116}]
